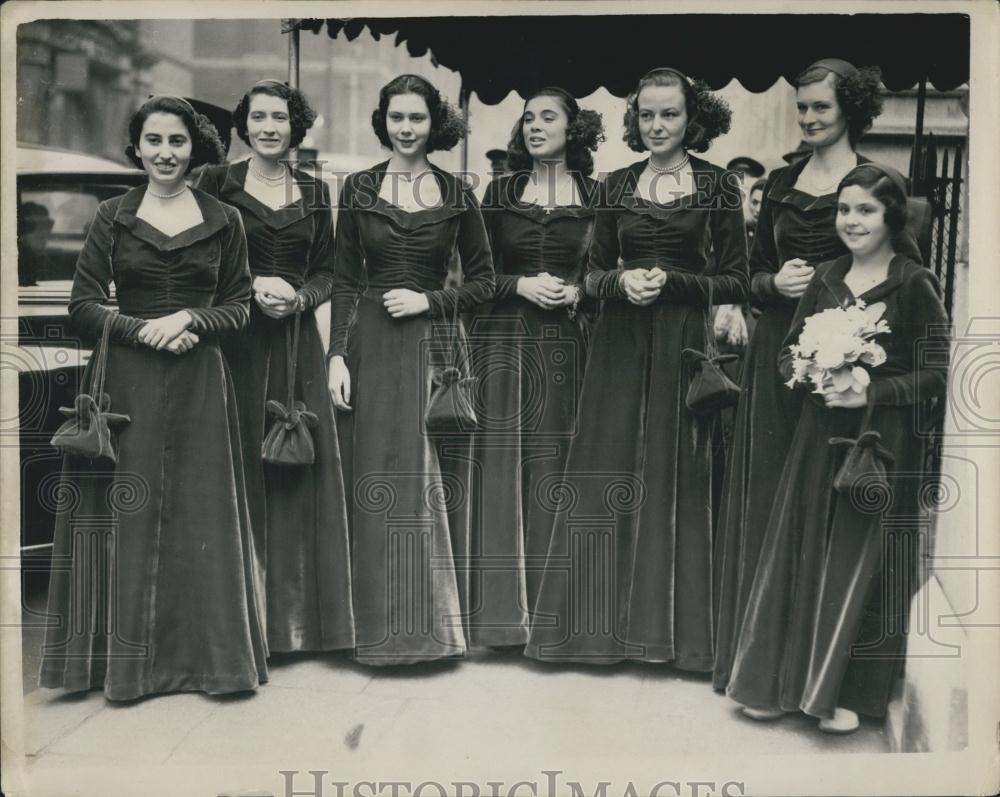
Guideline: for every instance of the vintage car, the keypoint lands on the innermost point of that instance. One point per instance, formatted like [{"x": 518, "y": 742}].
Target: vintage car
[{"x": 57, "y": 196}]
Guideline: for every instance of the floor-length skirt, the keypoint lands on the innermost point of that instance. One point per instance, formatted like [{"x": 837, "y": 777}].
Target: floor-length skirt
[
  {"x": 628, "y": 574},
  {"x": 529, "y": 364},
  {"x": 154, "y": 584},
  {"x": 408, "y": 494},
  {"x": 765, "y": 423},
  {"x": 826, "y": 616},
  {"x": 299, "y": 512}
]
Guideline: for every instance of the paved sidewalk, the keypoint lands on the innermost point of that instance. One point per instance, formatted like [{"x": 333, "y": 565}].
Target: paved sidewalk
[{"x": 494, "y": 712}]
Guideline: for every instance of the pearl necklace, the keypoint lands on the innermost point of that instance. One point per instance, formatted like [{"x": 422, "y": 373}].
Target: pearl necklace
[
  {"x": 670, "y": 169},
  {"x": 271, "y": 181},
  {"x": 166, "y": 196}
]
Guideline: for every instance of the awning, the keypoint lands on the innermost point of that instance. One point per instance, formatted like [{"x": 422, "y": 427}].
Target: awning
[{"x": 496, "y": 55}]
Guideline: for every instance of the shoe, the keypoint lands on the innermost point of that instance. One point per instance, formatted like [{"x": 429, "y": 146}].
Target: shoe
[
  {"x": 762, "y": 714},
  {"x": 843, "y": 721}
]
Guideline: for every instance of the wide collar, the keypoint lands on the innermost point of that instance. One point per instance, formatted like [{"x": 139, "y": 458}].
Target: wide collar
[
  {"x": 833, "y": 279},
  {"x": 368, "y": 183},
  {"x": 707, "y": 177},
  {"x": 511, "y": 187},
  {"x": 783, "y": 188},
  {"x": 213, "y": 219},
  {"x": 233, "y": 191}
]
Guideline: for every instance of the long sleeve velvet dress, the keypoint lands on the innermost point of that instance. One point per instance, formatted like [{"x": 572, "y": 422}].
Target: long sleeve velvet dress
[
  {"x": 529, "y": 362},
  {"x": 409, "y": 510},
  {"x": 628, "y": 574},
  {"x": 155, "y": 582},
  {"x": 827, "y": 611},
  {"x": 792, "y": 224},
  {"x": 299, "y": 512}
]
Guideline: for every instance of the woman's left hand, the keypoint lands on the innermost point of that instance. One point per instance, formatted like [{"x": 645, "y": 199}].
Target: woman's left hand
[
  {"x": 846, "y": 399},
  {"x": 158, "y": 332},
  {"x": 402, "y": 302}
]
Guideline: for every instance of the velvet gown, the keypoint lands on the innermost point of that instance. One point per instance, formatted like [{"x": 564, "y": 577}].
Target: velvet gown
[
  {"x": 409, "y": 506},
  {"x": 299, "y": 512},
  {"x": 792, "y": 224},
  {"x": 628, "y": 574},
  {"x": 529, "y": 362},
  {"x": 829, "y": 603},
  {"x": 154, "y": 584}
]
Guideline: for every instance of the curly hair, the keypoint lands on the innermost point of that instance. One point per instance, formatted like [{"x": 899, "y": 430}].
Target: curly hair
[
  {"x": 708, "y": 115},
  {"x": 885, "y": 184},
  {"x": 301, "y": 114},
  {"x": 857, "y": 91},
  {"x": 447, "y": 126},
  {"x": 206, "y": 147},
  {"x": 584, "y": 133}
]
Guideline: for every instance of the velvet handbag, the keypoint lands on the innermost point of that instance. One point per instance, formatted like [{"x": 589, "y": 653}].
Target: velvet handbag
[
  {"x": 450, "y": 408},
  {"x": 90, "y": 427},
  {"x": 289, "y": 440},
  {"x": 865, "y": 460},
  {"x": 710, "y": 389}
]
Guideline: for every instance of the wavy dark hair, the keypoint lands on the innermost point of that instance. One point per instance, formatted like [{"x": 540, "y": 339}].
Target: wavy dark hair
[
  {"x": 858, "y": 94},
  {"x": 708, "y": 115},
  {"x": 206, "y": 147},
  {"x": 885, "y": 184},
  {"x": 447, "y": 126},
  {"x": 584, "y": 133},
  {"x": 301, "y": 114}
]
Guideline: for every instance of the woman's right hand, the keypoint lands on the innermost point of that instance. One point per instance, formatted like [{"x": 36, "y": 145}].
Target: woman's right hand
[
  {"x": 792, "y": 278},
  {"x": 340, "y": 384},
  {"x": 544, "y": 290},
  {"x": 183, "y": 342}
]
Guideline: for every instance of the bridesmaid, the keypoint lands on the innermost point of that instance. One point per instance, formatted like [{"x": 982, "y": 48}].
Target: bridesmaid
[
  {"x": 159, "y": 595},
  {"x": 531, "y": 355},
  {"x": 628, "y": 574},
  {"x": 795, "y": 230},
  {"x": 299, "y": 512},
  {"x": 392, "y": 319},
  {"x": 824, "y": 630}
]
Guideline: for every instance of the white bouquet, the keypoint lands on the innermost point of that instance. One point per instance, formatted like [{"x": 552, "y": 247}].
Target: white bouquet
[{"x": 833, "y": 346}]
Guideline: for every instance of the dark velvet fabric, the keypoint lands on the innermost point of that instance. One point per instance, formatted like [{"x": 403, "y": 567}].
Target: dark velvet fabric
[
  {"x": 299, "y": 513},
  {"x": 791, "y": 224},
  {"x": 530, "y": 364},
  {"x": 155, "y": 582},
  {"x": 409, "y": 492},
  {"x": 829, "y": 602},
  {"x": 628, "y": 574}
]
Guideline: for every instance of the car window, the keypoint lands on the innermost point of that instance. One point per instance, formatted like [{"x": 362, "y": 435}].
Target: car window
[{"x": 53, "y": 221}]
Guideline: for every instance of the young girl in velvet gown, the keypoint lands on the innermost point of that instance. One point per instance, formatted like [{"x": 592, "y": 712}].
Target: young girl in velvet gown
[
  {"x": 795, "y": 231},
  {"x": 825, "y": 627}
]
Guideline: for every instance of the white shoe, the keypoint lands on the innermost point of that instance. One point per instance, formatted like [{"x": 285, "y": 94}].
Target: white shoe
[
  {"x": 843, "y": 721},
  {"x": 762, "y": 714}
]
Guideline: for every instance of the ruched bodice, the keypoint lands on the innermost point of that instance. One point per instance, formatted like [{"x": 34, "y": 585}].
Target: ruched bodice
[
  {"x": 794, "y": 224},
  {"x": 202, "y": 270},
  {"x": 382, "y": 247},
  {"x": 529, "y": 239},
  {"x": 294, "y": 242}
]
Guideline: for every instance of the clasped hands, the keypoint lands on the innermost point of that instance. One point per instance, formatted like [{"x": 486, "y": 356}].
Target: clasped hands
[
  {"x": 169, "y": 332},
  {"x": 547, "y": 291},
  {"x": 275, "y": 297},
  {"x": 643, "y": 285}
]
